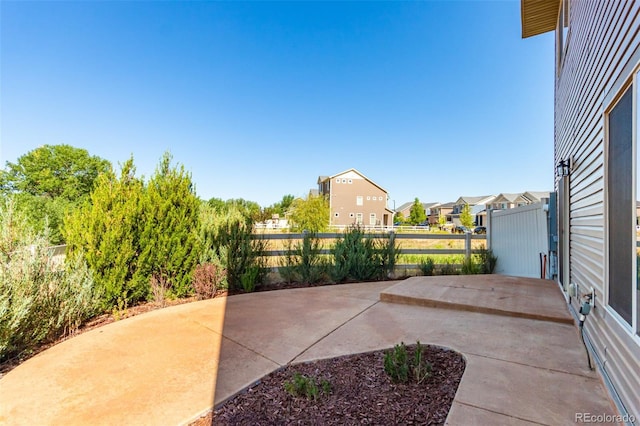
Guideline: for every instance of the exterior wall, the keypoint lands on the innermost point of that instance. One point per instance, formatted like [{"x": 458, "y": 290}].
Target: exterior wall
[
  {"x": 601, "y": 50},
  {"x": 343, "y": 200}
]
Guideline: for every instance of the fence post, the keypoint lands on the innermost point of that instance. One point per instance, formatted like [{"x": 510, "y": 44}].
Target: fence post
[{"x": 467, "y": 245}]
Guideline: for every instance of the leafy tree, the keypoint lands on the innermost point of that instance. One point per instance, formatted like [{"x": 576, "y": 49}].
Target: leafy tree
[
  {"x": 442, "y": 220},
  {"x": 106, "y": 232},
  {"x": 399, "y": 218},
  {"x": 311, "y": 214},
  {"x": 169, "y": 240},
  {"x": 466, "y": 218},
  {"x": 49, "y": 181},
  {"x": 54, "y": 171},
  {"x": 417, "y": 214}
]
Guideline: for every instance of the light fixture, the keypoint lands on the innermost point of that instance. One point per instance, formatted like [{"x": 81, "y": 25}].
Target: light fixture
[{"x": 563, "y": 168}]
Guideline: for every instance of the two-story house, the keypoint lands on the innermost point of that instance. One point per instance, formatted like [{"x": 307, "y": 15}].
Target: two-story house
[
  {"x": 405, "y": 208},
  {"x": 355, "y": 199},
  {"x": 438, "y": 211},
  {"x": 476, "y": 206}
]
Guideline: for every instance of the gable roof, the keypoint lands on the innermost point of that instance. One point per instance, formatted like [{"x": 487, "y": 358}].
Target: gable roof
[
  {"x": 472, "y": 201},
  {"x": 536, "y": 196},
  {"x": 324, "y": 178},
  {"x": 508, "y": 197}
]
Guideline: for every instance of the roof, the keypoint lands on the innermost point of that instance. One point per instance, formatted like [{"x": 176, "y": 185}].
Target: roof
[
  {"x": 324, "y": 178},
  {"x": 536, "y": 196},
  {"x": 447, "y": 205},
  {"x": 509, "y": 197},
  {"x": 472, "y": 201},
  {"x": 538, "y": 16}
]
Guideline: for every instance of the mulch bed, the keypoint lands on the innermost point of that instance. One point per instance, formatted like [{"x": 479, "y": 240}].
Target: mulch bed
[{"x": 361, "y": 393}]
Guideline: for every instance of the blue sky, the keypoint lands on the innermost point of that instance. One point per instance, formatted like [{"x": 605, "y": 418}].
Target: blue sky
[{"x": 432, "y": 99}]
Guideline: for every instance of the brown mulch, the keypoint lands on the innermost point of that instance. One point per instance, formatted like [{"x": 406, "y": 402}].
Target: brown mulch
[{"x": 361, "y": 393}]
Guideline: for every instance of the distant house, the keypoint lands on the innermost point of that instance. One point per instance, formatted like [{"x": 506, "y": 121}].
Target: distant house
[
  {"x": 438, "y": 211},
  {"x": 405, "y": 208},
  {"x": 476, "y": 205},
  {"x": 355, "y": 199},
  {"x": 597, "y": 159}
]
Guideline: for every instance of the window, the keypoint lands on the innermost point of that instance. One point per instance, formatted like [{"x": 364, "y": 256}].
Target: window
[
  {"x": 350, "y": 181},
  {"x": 359, "y": 200},
  {"x": 359, "y": 218},
  {"x": 368, "y": 198},
  {"x": 336, "y": 214},
  {"x": 372, "y": 219},
  {"x": 350, "y": 214},
  {"x": 337, "y": 180},
  {"x": 621, "y": 195},
  {"x": 344, "y": 181}
]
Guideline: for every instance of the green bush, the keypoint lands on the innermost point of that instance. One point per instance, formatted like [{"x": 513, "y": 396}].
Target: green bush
[
  {"x": 303, "y": 262},
  {"x": 309, "y": 387},
  {"x": 227, "y": 235},
  {"x": 360, "y": 257},
  {"x": 427, "y": 266},
  {"x": 40, "y": 299},
  {"x": 401, "y": 367},
  {"x": 487, "y": 260}
]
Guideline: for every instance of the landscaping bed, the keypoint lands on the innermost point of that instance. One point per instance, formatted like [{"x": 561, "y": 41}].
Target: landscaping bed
[{"x": 352, "y": 389}]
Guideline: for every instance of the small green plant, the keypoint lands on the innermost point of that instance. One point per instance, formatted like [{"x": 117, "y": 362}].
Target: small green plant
[
  {"x": 487, "y": 260},
  {"x": 401, "y": 368},
  {"x": 470, "y": 267},
  {"x": 421, "y": 368},
  {"x": 120, "y": 311},
  {"x": 396, "y": 364},
  {"x": 448, "y": 269},
  {"x": 249, "y": 279},
  {"x": 301, "y": 385},
  {"x": 427, "y": 266}
]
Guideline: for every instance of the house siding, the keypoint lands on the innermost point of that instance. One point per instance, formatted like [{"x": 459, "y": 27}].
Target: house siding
[
  {"x": 342, "y": 200},
  {"x": 602, "y": 38}
]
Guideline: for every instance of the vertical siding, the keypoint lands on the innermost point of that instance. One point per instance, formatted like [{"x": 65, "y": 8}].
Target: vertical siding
[
  {"x": 603, "y": 35},
  {"x": 517, "y": 237}
]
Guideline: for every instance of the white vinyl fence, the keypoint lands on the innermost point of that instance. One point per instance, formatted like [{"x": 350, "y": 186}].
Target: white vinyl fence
[{"x": 520, "y": 239}]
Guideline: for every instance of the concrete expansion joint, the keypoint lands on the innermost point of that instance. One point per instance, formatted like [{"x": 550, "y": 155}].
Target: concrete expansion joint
[
  {"x": 499, "y": 413},
  {"x": 335, "y": 329},
  {"x": 252, "y": 350},
  {"x": 587, "y": 375}
]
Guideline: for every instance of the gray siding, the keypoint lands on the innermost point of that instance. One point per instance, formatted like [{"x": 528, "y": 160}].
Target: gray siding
[{"x": 603, "y": 37}]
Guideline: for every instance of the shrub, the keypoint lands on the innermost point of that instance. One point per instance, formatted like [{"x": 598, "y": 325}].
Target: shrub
[
  {"x": 301, "y": 385},
  {"x": 249, "y": 279},
  {"x": 227, "y": 235},
  {"x": 401, "y": 368},
  {"x": 40, "y": 299},
  {"x": 427, "y": 266},
  {"x": 448, "y": 268},
  {"x": 470, "y": 267},
  {"x": 207, "y": 279},
  {"x": 360, "y": 257},
  {"x": 487, "y": 260}
]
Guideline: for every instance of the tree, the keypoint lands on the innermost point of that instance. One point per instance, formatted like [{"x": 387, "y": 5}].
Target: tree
[
  {"x": 49, "y": 181},
  {"x": 399, "y": 218},
  {"x": 442, "y": 220},
  {"x": 54, "y": 171},
  {"x": 169, "y": 239},
  {"x": 311, "y": 214},
  {"x": 466, "y": 218},
  {"x": 417, "y": 214},
  {"x": 106, "y": 232}
]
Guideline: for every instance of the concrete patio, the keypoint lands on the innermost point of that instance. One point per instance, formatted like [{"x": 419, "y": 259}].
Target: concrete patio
[{"x": 525, "y": 361}]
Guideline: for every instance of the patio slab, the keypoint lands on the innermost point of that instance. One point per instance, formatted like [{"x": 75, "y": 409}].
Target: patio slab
[{"x": 491, "y": 294}]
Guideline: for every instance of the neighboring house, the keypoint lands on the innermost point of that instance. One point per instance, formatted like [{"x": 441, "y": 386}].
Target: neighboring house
[
  {"x": 509, "y": 201},
  {"x": 440, "y": 210},
  {"x": 597, "y": 77},
  {"x": 476, "y": 205},
  {"x": 355, "y": 199},
  {"x": 405, "y": 208}
]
